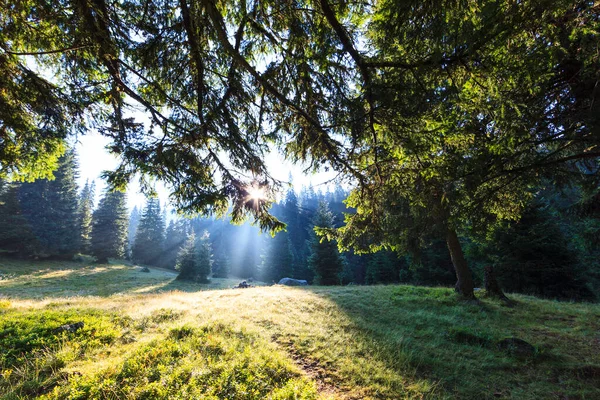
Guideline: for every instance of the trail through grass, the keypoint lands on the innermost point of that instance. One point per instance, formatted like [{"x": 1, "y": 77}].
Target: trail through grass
[{"x": 151, "y": 337}]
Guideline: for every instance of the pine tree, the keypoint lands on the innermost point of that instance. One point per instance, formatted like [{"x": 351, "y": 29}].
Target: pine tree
[
  {"x": 278, "y": 261},
  {"x": 86, "y": 210},
  {"x": 51, "y": 208},
  {"x": 134, "y": 221},
  {"x": 324, "y": 259},
  {"x": 109, "y": 227},
  {"x": 194, "y": 259},
  {"x": 15, "y": 231},
  {"x": 149, "y": 238},
  {"x": 176, "y": 236},
  {"x": 205, "y": 258}
]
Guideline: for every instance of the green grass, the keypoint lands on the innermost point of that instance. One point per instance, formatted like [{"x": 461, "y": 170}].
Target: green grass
[
  {"x": 147, "y": 336},
  {"x": 54, "y": 279}
]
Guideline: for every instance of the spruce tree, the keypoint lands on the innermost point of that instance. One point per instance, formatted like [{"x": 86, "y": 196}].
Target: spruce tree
[
  {"x": 109, "y": 227},
  {"x": 533, "y": 256},
  {"x": 51, "y": 208},
  {"x": 175, "y": 238},
  {"x": 324, "y": 259},
  {"x": 65, "y": 204},
  {"x": 381, "y": 268},
  {"x": 205, "y": 258},
  {"x": 304, "y": 207},
  {"x": 221, "y": 265},
  {"x": 15, "y": 231},
  {"x": 278, "y": 261},
  {"x": 150, "y": 235},
  {"x": 134, "y": 221},
  {"x": 249, "y": 259},
  {"x": 187, "y": 260},
  {"x": 297, "y": 234},
  {"x": 195, "y": 259},
  {"x": 86, "y": 210}
]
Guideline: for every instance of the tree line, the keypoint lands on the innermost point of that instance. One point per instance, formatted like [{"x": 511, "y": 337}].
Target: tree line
[
  {"x": 53, "y": 219},
  {"x": 552, "y": 251}
]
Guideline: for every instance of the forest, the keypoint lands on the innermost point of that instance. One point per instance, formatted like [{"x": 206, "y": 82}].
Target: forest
[
  {"x": 454, "y": 253},
  {"x": 551, "y": 252}
]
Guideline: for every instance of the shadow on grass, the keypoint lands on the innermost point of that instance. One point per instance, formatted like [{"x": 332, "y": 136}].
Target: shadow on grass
[
  {"x": 38, "y": 280},
  {"x": 429, "y": 334},
  {"x": 394, "y": 341}
]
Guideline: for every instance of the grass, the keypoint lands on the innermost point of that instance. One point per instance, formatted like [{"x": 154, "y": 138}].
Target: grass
[
  {"x": 54, "y": 279},
  {"x": 147, "y": 336}
]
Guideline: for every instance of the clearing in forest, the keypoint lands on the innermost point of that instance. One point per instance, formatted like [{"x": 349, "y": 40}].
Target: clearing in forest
[{"x": 145, "y": 335}]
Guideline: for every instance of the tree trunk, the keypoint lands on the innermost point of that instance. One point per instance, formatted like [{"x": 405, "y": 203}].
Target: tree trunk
[
  {"x": 492, "y": 288},
  {"x": 464, "y": 284}
]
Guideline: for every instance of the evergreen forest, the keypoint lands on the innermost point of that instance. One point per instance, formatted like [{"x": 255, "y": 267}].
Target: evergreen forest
[
  {"x": 150, "y": 248},
  {"x": 552, "y": 251}
]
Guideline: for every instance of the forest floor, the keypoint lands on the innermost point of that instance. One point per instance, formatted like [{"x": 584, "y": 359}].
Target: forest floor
[{"x": 147, "y": 336}]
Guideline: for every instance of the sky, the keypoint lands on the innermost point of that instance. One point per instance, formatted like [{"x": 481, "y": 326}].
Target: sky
[{"x": 94, "y": 158}]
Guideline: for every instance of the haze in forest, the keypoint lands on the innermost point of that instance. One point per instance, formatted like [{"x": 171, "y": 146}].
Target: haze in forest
[{"x": 439, "y": 236}]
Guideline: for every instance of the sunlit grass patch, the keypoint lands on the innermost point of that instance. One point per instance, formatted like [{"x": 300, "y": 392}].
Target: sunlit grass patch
[
  {"x": 377, "y": 342},
  {"x": 208, "y": 362},
  {"x": 34, "y": 348}
]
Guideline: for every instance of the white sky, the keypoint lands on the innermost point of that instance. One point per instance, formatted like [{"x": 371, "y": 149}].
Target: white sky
[{"x": 94, "y": 158}]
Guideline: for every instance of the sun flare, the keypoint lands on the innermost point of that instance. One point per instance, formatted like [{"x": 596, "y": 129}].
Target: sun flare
[{"x": 256, "y": 193}]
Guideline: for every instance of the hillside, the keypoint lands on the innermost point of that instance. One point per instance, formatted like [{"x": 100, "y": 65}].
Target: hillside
[{"x": 146, "y": 336}]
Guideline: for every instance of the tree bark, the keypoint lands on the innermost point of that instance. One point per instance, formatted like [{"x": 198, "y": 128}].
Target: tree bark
[
  {"x": 492, "y": 288},
  {"x": 464, "y": 284}
]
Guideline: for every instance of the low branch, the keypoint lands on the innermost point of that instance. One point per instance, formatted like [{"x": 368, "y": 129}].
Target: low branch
[
  {"x": 42, "y": 53},
  {"x": 330, "y": 144},
  {"x": 360, "y": 63}
]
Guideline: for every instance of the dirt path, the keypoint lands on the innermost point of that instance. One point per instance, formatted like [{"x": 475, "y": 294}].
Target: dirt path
[{"x": 315, "y": 371}]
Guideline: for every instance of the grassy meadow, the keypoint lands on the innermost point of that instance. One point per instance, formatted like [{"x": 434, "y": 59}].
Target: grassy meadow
[{"x": 147, "y": 336}]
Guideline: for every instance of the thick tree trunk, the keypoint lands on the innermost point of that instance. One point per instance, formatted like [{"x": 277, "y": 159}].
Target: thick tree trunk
[
  {"x": 464, "y": 284},
  {"x": 492, "y": 288}
]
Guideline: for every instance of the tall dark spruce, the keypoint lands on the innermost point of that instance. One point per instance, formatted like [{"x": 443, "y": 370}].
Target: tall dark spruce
[
  {"x": 50, "y": 207},
  {"x": 134, "y": 221},
  {"x": 324, "y": 259},
  {"x": 278, "y": 260},
  {"x": 16, "y": 237},
  {"x": 195, "y": 258},
  {"x": 150, "y": 235},
  {"x": 109, "y": 227},
  {"x": 85, "y": 211}
]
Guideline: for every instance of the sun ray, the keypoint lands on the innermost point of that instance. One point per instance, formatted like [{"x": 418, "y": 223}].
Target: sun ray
[{"x": 256, "y": 193}]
